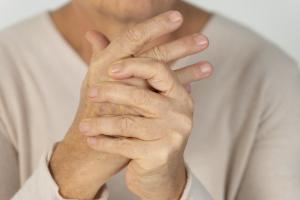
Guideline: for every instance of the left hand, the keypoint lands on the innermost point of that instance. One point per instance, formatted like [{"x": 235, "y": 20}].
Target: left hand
[{"x": 155, "y": 140}]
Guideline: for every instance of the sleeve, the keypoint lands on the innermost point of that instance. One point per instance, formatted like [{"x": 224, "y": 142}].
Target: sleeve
[
  {"x": 194, "y": 190},
  {"x": 41, "y": 185},
  {"x": 9, "y": 172},
  {"x": 273, "y": 170}
]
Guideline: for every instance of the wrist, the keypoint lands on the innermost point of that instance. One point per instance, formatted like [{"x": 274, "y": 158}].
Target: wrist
[
  {"x": 75, "y": 177},
  {"x": 180, "y": 185}
]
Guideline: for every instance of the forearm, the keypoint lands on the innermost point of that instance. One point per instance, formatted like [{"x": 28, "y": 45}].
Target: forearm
[{"x": 79, "y": 170}]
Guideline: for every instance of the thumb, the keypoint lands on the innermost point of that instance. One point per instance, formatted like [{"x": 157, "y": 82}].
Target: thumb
[{"x": 97, "y": 40}]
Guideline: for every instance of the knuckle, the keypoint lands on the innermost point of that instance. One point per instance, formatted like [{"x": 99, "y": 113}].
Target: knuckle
[
  {"x": 141, "y": 97},
  {"x": 160, "y": 53},
  {"x": 185, "y": 124},
  {"x": 104, "y": 92},
  {"x": 177, "y": 140},
  {"x": 168, "y": 109},
  {"x": 121, "y": 143},
  {"x": 108, "y": 109},
  {"x": 158, "y": 134},
  {"x": 167, "y": 81},
  {"x": 187, "y": 103},
  {"x": 163, "y": 156},
  {"x": 126, "y": 124},
  {"x": 135, "y": 35},
  {"x": 97, "y": 124},
  {"x": 159, "y": 66},
  {"x": 130, "y": 42},
  {"x": 102, "y": 143}
]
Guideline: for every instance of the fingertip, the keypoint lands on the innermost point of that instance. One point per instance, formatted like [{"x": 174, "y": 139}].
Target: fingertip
[
  {"x": 175, "y": 16},
  {"x": 206, "y": 68},
  {"x": 201, "y": 41},
  {"x": 203, "y": 70}
]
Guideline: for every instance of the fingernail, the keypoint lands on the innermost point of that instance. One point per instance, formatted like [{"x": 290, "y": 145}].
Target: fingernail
[
  {"x": 200, "y": 40},
  {"x": 93, "y": 92},
  {"x": 84, "y": 127},
  {"x": 116, "y": 69},
  {"x": 175, "y": 17},
  {"x": 205, "y": 69},
  {"x": 202, "y": 69},
  {"x": 91, "y": 140}
]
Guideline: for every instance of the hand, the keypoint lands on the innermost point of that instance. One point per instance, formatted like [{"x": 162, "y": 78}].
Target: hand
[
  {"x": 155, "y": 140},
  {"x": 80, "y": 171}
]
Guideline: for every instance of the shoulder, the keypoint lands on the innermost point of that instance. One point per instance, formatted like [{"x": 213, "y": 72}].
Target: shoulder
[
  {"x": 252, "y": 66},
  {"x": 238, "y": 48},
  {"x": 250, "y": 72},
  {"x": 19, "y": 43},
  {"x": 18, "y": 40},
  {"x": 24, "y": 31},
  {"x": 21, "y": 47},
  {"x": 267, "y": 60},
  {"x": 232, "y": 39}
]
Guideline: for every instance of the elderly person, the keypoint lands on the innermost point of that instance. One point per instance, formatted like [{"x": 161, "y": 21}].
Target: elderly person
[{"x": 96, "y": 103}]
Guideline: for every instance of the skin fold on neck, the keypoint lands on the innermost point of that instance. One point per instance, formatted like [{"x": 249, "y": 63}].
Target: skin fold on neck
[{"x": 73, "y": 21}]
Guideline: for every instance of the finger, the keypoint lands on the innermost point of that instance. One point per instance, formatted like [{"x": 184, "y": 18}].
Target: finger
[
  {"x": 135, "y": 82},
  {"x": 157, "y": 75},
  {"x": 134, "y": 39},
  {"x": 126, "y": 147},
  {"x": 123, "y": 126},
  {"x": 114, "y": 109},
  {"x": 194, "y": 72},
  {"x": 186, "y": 75},
  {"x": 145, "y": 101},
  {"x": 97, "y": 40},
  {"x": 178, "y": 49}
]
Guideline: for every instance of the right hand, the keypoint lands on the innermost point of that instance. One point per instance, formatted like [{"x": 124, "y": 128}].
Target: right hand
[{"x": 80, "y": 171}]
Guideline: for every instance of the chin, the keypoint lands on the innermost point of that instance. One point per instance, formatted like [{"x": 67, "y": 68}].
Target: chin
[{"x": 132, "y": 9}]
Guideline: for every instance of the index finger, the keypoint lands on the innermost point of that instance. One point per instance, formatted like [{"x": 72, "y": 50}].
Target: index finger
[
  {"x": 134, "y": 39},
  {"x": 131, "y": 42}
]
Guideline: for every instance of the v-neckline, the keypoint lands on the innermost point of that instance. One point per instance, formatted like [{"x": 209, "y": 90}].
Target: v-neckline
[{"x": 72, "y": 54}]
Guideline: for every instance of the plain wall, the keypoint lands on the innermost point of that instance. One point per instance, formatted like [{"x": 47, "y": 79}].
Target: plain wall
[{"x": 277, "y": 20}]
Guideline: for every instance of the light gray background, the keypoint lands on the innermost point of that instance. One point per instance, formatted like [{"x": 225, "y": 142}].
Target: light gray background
[{"x": 277, "y": 20}]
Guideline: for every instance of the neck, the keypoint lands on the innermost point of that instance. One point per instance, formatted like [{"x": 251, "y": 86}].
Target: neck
[{"x": 73, "y": 21}]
